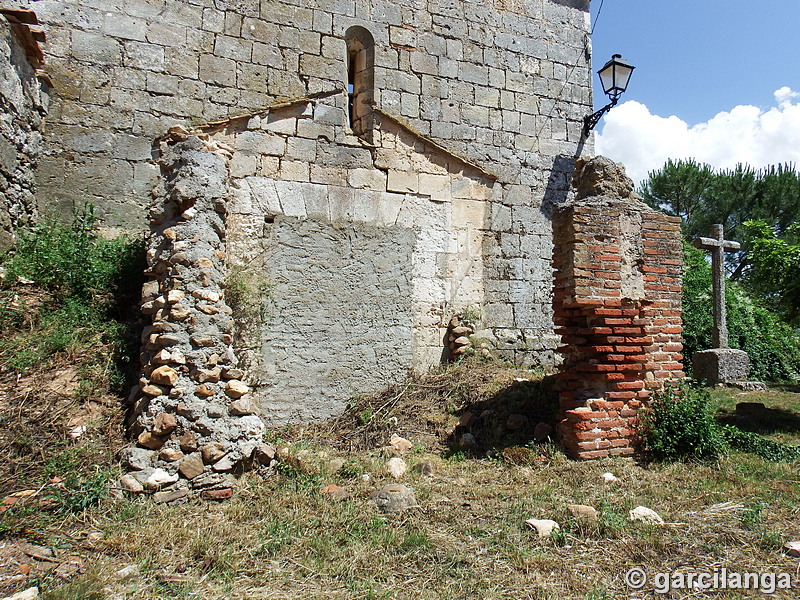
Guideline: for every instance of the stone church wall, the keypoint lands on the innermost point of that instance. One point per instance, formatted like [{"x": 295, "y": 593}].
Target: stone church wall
[{"x": 504, "y": 86}]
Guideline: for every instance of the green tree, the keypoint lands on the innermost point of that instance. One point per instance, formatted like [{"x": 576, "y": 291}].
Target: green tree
[{"x": 773, "y": 267}]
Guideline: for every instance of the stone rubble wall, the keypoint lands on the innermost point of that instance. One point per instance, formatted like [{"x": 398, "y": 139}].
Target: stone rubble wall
[
  {"x": 505, "y": 85},
  {"x": 617, "y": 301},
  {"x": 191, "y": 415},
  {"x": 23, "y": 105}
]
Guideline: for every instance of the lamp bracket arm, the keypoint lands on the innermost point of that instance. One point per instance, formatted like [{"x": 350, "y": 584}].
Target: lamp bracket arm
[{"x": 590, "y": 121}]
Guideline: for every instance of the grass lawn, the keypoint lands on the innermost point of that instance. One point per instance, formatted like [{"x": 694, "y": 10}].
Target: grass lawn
[{"x": 281, "y": 537}]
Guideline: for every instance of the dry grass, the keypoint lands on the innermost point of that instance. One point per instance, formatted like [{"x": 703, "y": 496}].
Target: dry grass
[{"x": 281, "y": 538}]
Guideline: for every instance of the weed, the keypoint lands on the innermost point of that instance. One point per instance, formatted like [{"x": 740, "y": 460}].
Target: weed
[
  {"x": 83, "y": 589},
  {"x": 249, "y": 294},
  {"x": 679, "y": 424},
  {"x": 78, "y": 492},
  {"x": 751, "y": 518},
  {"x": 747, "y": 441}
]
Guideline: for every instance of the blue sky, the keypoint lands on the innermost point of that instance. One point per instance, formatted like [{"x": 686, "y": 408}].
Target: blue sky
[{"x": 700, "y": 62}]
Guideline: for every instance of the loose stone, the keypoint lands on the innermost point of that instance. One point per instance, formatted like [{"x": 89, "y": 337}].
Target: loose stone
[
  {"x": 645, "y": 515},
  {"x": 544, "y": 527},
  {"x": 394, "y": 497},
  {"x": 396, "y": 467}
]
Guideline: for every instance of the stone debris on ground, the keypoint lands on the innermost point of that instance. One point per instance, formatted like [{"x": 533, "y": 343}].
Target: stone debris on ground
[
  {"x": 396, "y": 467},
  {"x": 792, "y": 548},
  {"x": 610, "y": 478},
  {"x": 29, "y": 594},
  {"x": 400, "y": 443},
  {"x": 584, "y": 512},
  {"x": 394, "y": 497},
  {"x": 128, "y": 571},
  {"x": 334, "y": 492},
  {"x": 645, "y": 515},
  {"x": 543, "y": 527}
]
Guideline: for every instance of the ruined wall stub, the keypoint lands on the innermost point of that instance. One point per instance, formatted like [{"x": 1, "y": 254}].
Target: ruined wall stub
[
  {"x": 23, "y": 104},
  {"x": 505, "y": 86},
  {"x": 617, "y": 302}
]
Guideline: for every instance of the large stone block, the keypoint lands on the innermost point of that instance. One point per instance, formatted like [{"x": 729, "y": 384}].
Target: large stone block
[{"x": 721, "y": 365}]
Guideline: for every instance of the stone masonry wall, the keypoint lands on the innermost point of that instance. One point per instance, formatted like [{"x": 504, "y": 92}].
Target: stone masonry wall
[
  {"x": 618, "y": 309},
  {"x": 505, "y": 85},
  {"x": 23, "y": 105},
  {"x": 367, "y": 251}
]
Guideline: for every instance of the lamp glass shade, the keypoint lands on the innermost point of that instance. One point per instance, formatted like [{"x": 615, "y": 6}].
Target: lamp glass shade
[{"x": 615, "y": 76}]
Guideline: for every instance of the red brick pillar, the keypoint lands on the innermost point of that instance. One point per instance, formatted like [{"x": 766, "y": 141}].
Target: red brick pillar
[{"x": 617, "y": 305}]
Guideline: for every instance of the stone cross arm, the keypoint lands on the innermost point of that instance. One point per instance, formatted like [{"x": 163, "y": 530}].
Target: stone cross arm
[{"x": 705, "y": 243}]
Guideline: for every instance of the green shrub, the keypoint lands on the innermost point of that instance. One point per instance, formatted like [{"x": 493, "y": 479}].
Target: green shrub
[
  {"x": 72, "y": 260},
  {"x": 772, "y": 345},
  {"x": 84, "y": 289},
  {"x": 679, "y": 424}
]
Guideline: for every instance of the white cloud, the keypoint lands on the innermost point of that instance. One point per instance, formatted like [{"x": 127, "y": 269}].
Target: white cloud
[{"x": 746, "y": 134}]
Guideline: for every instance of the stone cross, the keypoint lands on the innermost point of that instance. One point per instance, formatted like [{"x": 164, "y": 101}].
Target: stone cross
[{"x": 718, "y": 245}]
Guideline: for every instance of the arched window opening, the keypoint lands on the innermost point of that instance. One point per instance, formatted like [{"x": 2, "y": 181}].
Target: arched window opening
[{"x": 360, "y": 80}]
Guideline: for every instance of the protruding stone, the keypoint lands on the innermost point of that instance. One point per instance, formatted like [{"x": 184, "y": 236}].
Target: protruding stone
[
  {"x": 164, "y": 375},
  {"x": 188, "y": 442},
  {"x": 148, "y": 440},
  {"x": 264, "y": 453},
  {"x": 153, "y": 390},
  {"x": 236, "y": 388},
  {"x": 174, "y": 296},
  {"x": 212, "y": 452},
  {"x": 222, "y": 494},
  {"x": 135, "y": 459},
  {"x": 170, "y": 454},
  {"x": 216, "y": 411},
  {"x": 129, "y": 483},
  {"x": 170, "y": 496},
  {"x": 179, "y": 312},
  {"x": 241, "y": 407},
  {"x": 231, "y": 373},
  {"x": 208, "y": 375},
  {"x": 159, "y": 478},
  {"x": 204, "y": 391},
  {"x": 224, "y": 464},
  {"x": 515, "y": 422},
  {"x": 191, "y": 466},
  {"x": 164, "y": 424}
]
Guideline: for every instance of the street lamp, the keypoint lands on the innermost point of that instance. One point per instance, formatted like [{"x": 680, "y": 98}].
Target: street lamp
[{"x": 614, "y": 76}]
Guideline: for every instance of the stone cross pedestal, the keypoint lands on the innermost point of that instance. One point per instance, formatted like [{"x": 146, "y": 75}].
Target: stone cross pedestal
[{"x": 720, "y": 364}]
